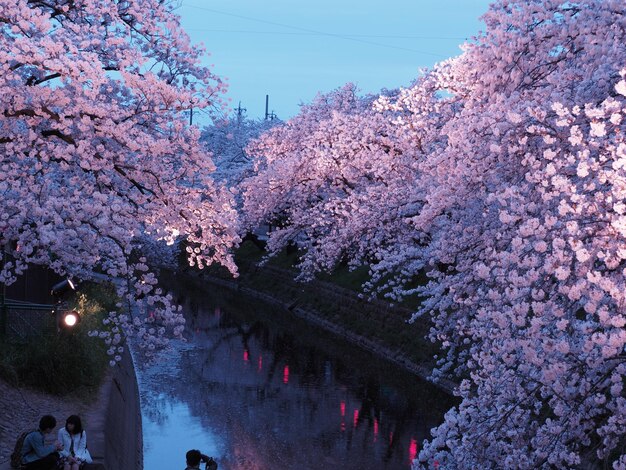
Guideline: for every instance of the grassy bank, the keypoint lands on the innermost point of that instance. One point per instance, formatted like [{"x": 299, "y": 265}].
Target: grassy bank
[
  {"x": 65, "y": 363},
  {"x": 335, "y": 298}
]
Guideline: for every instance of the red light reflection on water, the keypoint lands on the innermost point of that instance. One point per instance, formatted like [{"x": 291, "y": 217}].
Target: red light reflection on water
[
  {"x": 412, "y": 450},
  {"x": 246, "y": 355},
  {"x": 260, "y": 363},
  {"x": 286, "y": 374},
  {"x": 356, "y": 417},
  {"x": 375, "y": 429},
  {"x": 342, "y": 407}
]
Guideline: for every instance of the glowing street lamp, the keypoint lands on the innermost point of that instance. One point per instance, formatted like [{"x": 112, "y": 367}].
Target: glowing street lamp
[
  {"x": 70, "y": 319},
  {"x": 66, "y": 319}
]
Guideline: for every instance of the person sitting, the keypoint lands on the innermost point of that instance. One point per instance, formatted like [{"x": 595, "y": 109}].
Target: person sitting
[
  {"x": 74, "y": 454},
  {"x": 36, "y": 455},
  {"x": 195, "y": 457}
]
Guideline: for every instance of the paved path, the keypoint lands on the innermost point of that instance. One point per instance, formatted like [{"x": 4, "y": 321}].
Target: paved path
[{"x": 20, "y": 410}]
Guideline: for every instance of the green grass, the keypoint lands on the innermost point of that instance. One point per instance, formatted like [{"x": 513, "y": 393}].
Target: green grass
[
  {"x": 65, "y": 363},
  {"x": 346, "y": 278}
]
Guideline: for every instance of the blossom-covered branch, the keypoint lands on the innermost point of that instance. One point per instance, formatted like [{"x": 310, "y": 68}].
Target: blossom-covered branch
[{"x": 95, "y": 148}]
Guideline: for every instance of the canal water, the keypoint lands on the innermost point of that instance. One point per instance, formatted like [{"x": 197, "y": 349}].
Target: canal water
[{"x": 258, "y": 389}]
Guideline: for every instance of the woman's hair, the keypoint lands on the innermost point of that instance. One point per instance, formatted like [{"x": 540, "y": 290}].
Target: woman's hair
[{"x": 78, "y": 426}]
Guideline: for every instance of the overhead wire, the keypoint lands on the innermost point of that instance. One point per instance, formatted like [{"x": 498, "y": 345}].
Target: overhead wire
[
  {"x": 248, "y": 31},
  {"x": 312, "y": 31}
]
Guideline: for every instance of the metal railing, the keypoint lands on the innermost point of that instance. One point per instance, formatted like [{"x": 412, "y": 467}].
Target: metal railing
[{"x": 22, "y": 320}]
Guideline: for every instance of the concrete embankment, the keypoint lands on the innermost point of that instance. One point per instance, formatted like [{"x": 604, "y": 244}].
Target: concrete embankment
[{"x": 123, "y": 445}]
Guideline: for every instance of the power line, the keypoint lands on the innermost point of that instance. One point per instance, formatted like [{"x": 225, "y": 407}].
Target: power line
[
  {"x": 247, "y": 31},
  {"x": 307, "y": 30}
]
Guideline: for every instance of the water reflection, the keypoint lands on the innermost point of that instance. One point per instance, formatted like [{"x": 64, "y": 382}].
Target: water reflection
[
  {"x": 259, "y": 389},
  {"x": 176, "y": 430}
]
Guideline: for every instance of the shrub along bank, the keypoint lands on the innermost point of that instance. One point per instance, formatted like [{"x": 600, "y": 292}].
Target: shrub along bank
[{"x": 65, "y": 363}]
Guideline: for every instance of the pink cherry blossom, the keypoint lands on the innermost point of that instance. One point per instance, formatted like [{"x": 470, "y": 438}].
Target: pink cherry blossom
[
  {"x": 501, "y": 176},
  {"x": 96, "y": 152}
]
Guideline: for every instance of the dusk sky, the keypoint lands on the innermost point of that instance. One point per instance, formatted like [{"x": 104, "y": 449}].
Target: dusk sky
[{"x": 293, "y": 50}]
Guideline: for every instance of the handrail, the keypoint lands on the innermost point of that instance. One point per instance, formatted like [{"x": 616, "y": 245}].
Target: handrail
[{"x": 25, "y": 305}]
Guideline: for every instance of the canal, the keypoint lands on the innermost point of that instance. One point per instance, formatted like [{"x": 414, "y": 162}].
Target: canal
[{"x": 257, "y": 388}]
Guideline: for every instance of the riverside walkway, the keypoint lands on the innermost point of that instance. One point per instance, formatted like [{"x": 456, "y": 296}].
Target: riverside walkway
[
  {"x": 112, "y": 419},
  {"x": 21, "y": 409}
]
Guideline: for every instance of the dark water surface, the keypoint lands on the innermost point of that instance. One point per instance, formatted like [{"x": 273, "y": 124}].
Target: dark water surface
[{"x": 259, "y": 389}]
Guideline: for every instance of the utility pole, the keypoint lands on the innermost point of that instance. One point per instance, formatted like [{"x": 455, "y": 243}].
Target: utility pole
[
  {"x": 191, "y": 112},
  {"x": 271, "y": 116},
  {"x": 240, "y": 112}
]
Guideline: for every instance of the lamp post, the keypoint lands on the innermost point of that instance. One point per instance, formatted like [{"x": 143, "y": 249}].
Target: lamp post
[{"x": 66, "y": 319}]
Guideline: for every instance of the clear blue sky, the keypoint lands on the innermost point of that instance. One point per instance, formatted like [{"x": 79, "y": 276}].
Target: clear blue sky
[{"x": 292, "y": 49}]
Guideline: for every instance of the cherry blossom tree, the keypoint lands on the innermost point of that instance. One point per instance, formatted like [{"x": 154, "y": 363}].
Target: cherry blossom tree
[
  {"x": 531, "y": 301},
  {"x": 227, "y": 139},
  {"x": 512, "y": 200},
  {"x": 96, "y": 151},
  {"x": 322, "y": 176}
]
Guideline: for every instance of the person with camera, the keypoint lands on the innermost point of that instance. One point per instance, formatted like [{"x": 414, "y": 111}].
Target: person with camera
[{"x": 195, "y": 458}]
